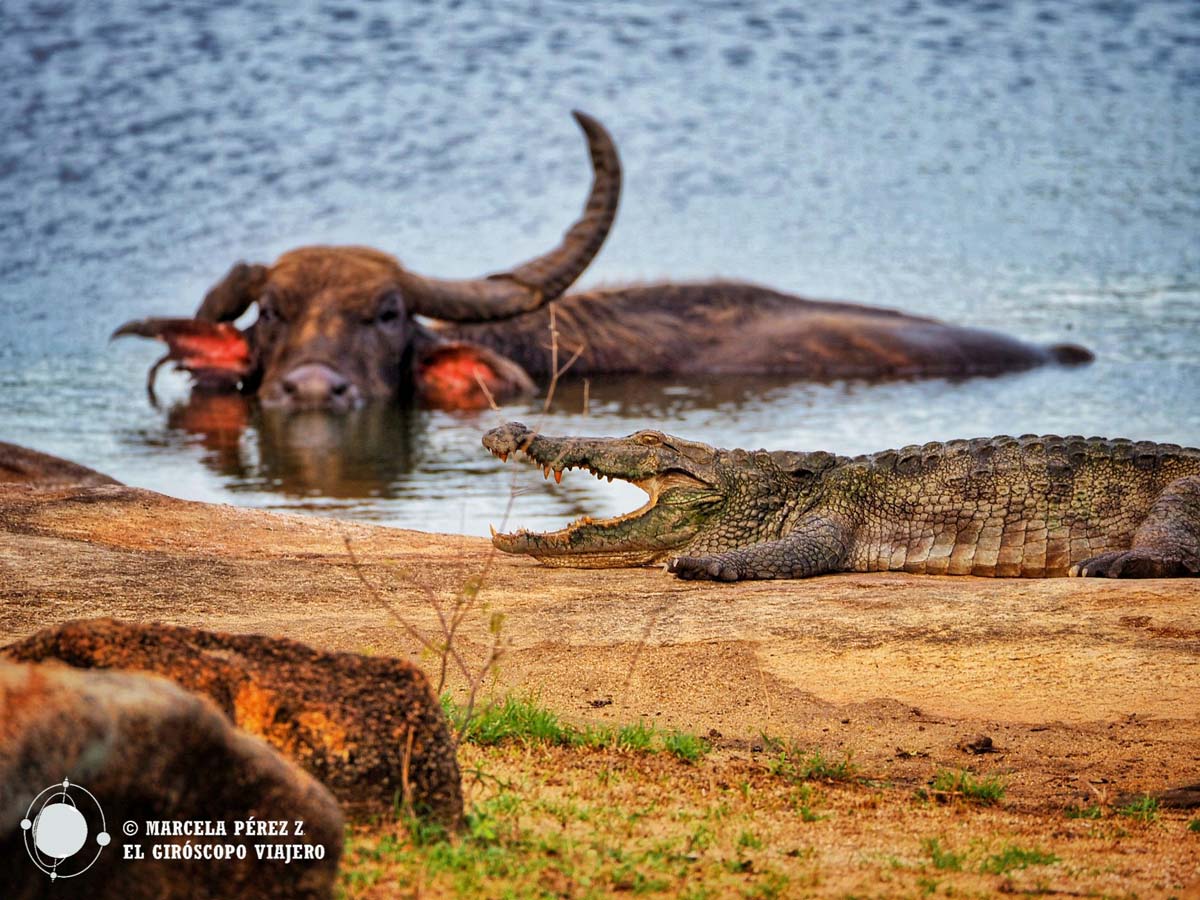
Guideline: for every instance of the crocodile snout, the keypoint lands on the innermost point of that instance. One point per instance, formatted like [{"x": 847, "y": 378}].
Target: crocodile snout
[{"x": 507, "y": 438}]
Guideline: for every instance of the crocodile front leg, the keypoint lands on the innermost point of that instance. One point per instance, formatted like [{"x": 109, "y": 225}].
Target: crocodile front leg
[
  {"x": 1167, "y": 545},
  {"x": 816, "y": 546}
]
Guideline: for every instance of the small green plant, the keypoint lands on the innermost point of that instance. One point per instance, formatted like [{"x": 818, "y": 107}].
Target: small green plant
[
  {"x": 718, "y": 812},
  {"x": 1143, "y": 809},
  {"x": 1084, "y": 812},
  {"x": 748, "y": 840},
  {"x": 941, "y": 857},
  {"x": 770, "y": 886},
  {"x": 1194, "y": 826},
  {"x": 638, "y": 737},
  {"x": 513, "y": 720},
  {"x": 522, "y": 720},
  {"x": 1014, "y": 857},
  {"x": 802, "y": 800},
  {"x": 421, "y": 832},
  {"x": 961, "y": 783},
  {"x": 684, "y": 746},
  {"x": 700, "y": 839},
  {"x": 795, "y": 764}
]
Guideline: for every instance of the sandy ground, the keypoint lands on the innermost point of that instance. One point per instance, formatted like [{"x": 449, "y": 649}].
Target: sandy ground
[{"x": 1088, "y": 688}]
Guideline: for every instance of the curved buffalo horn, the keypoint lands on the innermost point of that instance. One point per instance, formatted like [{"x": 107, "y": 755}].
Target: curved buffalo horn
[
  {"x": 234, "y": 293},
  {"x": 540, "y": 280}
]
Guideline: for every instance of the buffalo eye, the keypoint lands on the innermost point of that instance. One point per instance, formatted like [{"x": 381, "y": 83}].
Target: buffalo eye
[
  {"x": 269, "y": 314},
  {"x": 387, "y": 310},
  {"x": 268, "y": 308}
]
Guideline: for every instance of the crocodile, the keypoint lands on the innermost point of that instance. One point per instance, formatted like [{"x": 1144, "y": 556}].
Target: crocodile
[{"x": 1030, "y": 506}]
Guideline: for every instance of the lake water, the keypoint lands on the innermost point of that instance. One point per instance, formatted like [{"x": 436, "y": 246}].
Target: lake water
[{"x": 1032, "y": 167}]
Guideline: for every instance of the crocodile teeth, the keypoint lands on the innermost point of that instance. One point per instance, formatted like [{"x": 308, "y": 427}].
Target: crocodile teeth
[
  {"x": 492, "y": 528},
  {"x": 503, "y": 457},
  {"x": 545, "y": 471},
  {"x": 558, "y": 476}
]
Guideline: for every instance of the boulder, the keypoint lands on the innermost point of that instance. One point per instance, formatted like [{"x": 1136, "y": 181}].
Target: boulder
[
  {"x": 125, "y": 786},
  {"x": 369, "y": 728}
]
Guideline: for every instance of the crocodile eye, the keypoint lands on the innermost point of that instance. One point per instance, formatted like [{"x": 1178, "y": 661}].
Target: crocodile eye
[{"x": 649, "y": 439}]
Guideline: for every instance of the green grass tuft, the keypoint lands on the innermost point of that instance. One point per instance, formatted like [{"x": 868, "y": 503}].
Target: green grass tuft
[
  {"x": 517, "y": 720},
  {"x": 803, "y": 800},
  {"x": 638, "y": 737},
  {"x": 942, "y": 858},
  {"x": 961, "y": 783},
  {"x": 748, "y": 840},
  {"x": 1014, "y": 857},
  {"x": 684, "y": 746},
  {"x": 1144, "y": 809},
  {"x": 514, "y": 720},
  {"x": 796, "y": 765}
]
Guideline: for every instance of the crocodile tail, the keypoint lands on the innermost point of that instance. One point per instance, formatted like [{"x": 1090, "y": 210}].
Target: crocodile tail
[{"x": 1071, "y": 354}]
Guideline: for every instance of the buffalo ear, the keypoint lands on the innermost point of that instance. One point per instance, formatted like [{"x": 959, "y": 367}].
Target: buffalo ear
[
  {"x": 802, "y": 464},
  {"x": 467, "y": 376},
  {"x": 234, "y": 294}
]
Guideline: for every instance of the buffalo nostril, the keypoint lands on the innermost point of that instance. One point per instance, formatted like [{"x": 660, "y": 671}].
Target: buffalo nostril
[{"x": 313, "y": 385}]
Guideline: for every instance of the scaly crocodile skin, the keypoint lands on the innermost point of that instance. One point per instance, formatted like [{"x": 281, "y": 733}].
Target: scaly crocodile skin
[{"x": 1029, "y": 506}]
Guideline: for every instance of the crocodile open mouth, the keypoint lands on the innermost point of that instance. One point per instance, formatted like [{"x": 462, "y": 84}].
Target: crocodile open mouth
[{"x": 638, "y": 537}]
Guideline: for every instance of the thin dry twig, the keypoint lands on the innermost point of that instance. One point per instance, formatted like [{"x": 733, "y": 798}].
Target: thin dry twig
[
  {"x": 486, "y": 392},
  {"x": 556, "y": 371},
  {"x": 444, "y": 649},
  {"x": 406, "y": 791}
]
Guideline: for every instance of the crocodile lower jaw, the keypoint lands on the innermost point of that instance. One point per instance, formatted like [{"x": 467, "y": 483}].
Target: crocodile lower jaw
[{"x": 569, "y": 546}]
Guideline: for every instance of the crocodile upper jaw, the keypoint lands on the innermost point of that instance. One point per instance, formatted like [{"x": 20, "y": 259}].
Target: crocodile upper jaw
[{"x": 639, "y": 537}]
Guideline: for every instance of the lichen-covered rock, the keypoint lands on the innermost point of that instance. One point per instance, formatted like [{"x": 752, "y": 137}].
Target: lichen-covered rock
[
  {"x": 153, "y": 759},
  {"x": 368, "y": 727}
]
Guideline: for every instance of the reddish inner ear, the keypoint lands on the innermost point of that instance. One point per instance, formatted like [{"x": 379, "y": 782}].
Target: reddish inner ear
[
  {"x": 448, "y": 378},
  {"x": 207, "y": 348}
]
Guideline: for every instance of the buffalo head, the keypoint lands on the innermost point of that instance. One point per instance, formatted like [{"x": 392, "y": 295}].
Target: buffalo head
[{"x": 337, "y": 325}]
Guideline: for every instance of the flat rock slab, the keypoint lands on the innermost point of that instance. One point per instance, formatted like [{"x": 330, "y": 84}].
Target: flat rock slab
[
  {"x": 1087, "y": 687},
  {"x": 24, "y": 466},
  {"x": 368, "y": 728}
]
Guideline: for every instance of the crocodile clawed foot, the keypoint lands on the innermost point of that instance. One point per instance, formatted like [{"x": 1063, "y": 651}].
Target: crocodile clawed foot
[
  {"x": 1138, "y": 563},
  {"x": 702, "y": 568}
]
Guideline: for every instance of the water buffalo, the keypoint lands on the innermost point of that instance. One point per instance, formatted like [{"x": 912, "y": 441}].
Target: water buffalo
[{"x": 337, "y": 326}]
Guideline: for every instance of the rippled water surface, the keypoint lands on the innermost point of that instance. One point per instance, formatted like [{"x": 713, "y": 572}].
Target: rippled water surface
[{"x": 1032, "y": 167}]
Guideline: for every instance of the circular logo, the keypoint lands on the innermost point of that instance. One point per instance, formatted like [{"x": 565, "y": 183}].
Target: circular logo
[{"x": 57, "y": 826}]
